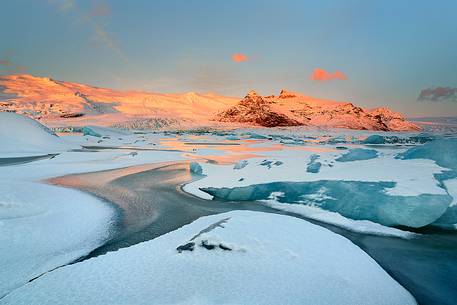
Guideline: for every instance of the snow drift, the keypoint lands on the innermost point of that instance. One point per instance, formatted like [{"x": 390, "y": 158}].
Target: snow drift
[{"x": 20, "y": 134}]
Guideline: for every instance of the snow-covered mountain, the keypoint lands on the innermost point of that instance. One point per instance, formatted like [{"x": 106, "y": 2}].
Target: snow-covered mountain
[
  {"x": 59, "y": 103},
  {"x": 292, "y": 109}
]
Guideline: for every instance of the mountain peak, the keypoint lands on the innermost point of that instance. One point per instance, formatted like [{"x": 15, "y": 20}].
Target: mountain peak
[
  {"x": 251, "y": 93},
  {"x": 287, "y": 94}
]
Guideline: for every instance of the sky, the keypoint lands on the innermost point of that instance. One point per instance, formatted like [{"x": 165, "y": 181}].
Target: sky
[{"x": 396, "y": 53}]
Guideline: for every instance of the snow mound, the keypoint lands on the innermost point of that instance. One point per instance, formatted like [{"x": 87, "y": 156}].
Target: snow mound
[
  {"x": 225, "y": 259},
  {"x": 20, "y": 134},
  {"x": 43, "y": 227}
]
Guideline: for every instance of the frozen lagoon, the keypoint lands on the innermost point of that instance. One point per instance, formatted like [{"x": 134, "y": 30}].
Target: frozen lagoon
[{"x": 287, "y": 158}]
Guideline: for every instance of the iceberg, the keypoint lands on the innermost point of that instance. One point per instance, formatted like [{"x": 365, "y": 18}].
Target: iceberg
[
  {"x": 195, "y": 168},
  {"x": 88, "y": 131},
  {"x": 357, "y": 200},
  {"x": 313, "y": 165},
  {"x": 240, "y": 164},
  {"x": 444, "y": 153}
]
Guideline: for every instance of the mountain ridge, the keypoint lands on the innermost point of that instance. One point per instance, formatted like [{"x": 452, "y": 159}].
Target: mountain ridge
[{"x": 58, "y": 103}]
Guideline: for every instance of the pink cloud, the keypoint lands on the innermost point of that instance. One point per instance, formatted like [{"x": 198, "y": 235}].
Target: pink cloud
[
  {"x": 238, "y": 57},
  {"x": 323, "y": 75}
]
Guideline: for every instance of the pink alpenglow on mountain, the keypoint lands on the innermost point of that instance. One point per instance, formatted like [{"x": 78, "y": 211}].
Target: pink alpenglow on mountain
[
  {"x": 293, "y": 109},
  {"x": 59, "y": 103}
]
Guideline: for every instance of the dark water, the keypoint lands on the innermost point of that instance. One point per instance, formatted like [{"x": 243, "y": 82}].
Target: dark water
[
  {"x": 22, "y": 160},
  {"x": 158, "y": 191},
  {"x": 426, "y": 265}
]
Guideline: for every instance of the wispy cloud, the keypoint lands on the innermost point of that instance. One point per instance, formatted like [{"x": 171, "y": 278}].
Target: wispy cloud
[
  {"x": 238, "y": 57},
  {"x": 438, "y": 94},
  {"x": 323, "y": 75},
  {"x": 8, "y": 67},
  {"x": 95, "y": 18}
]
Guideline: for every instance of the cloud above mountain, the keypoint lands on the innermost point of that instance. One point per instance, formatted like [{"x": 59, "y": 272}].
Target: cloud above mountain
[
  {"x": 438, "y": 94},
  {"x": 239, "y": 57},
  {"x": 323, "y": 75}
]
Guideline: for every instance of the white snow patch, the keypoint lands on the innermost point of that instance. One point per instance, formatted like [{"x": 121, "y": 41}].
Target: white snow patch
[{"x": 43, "y": 227}]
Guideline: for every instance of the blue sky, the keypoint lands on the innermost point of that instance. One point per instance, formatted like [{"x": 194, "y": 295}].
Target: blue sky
[{"x": 388, "y": 50}]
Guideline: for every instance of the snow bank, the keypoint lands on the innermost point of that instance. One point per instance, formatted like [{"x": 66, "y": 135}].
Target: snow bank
[
  {"x": 43, "y": 227},
  {"x": 230, "y": 258},
  {"x": 20, "y": 134}
]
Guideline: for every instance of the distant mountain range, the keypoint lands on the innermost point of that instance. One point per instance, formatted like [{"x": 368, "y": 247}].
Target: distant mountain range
[{"x": 59, "y": 103}]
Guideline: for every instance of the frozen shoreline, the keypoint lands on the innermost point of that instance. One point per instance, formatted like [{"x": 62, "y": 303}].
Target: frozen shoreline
[{"x": 401, "y": 252}]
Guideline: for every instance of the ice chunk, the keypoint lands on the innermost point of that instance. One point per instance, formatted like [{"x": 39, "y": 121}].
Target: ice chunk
[
  {"x": 352, "y": 199},
  {"x": 443, "y": 152},
  {"x": 269, "y": 163},
  {"x": 232, "y": 138},
  {"x": 375, "y": 139},
  {"x": 195, "y": 168},
  {"x": 87, "y": 131},
  {"x": 253, "y": 135},
  {"x": 390, "y": 139},
  {"x": 313, "y": 165},
  {"x": 358, "y": 154},
  {"x": 98, "y": 131},
  {"x": 274, "y": 252},
  {"x": 240, "y": 164}
]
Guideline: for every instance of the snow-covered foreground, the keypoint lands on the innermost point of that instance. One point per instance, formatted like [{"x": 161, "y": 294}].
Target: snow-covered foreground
[
  {"x": 237, "y": 258},
  {"x": 359, "y": 181}
]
